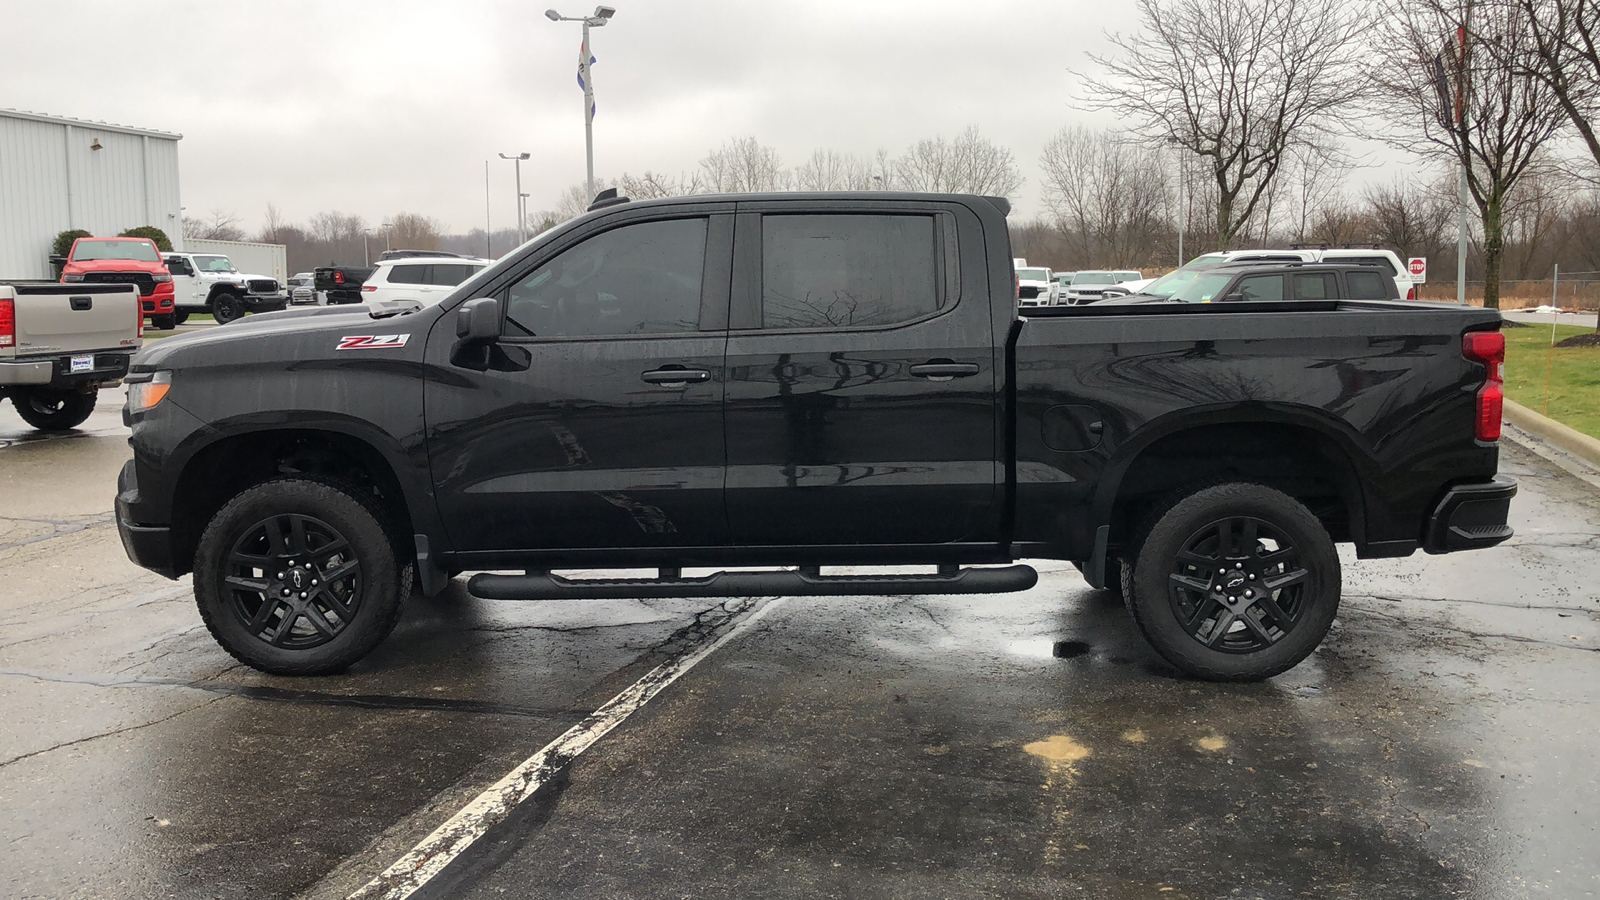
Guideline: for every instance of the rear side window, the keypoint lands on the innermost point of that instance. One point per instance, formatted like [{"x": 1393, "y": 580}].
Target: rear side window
[
  {"x": 451, "y": 274},
  {"x": 1314, "y": 286},
  {"x": 1367, "y": 285},
  {"x": 1382, "y": 262},
  {"x": 409, "y": 275},
  {"x": 837, "y": 271},
  {"x": 1260, "y": 287}
]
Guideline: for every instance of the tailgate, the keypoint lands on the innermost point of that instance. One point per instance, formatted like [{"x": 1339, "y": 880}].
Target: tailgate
[{"x": 67, "y": 318}]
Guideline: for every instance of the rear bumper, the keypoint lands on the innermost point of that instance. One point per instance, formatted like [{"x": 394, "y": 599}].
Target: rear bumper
[
  {"x": 1471, "y": 516},
  {"x": 149, "y": 546},
  {"x": 56, "y": 371}
]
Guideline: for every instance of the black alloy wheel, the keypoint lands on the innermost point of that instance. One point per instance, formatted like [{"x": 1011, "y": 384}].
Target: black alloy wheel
[
  {"x": 299, "y": 576},
  {"x": 293, "y": 581},
  {"x": 1238, "y": 585},
  {"x": 54, "y": 410},
  {"x": 226, "y": 307},
  {"x": 1233, "y": 582}
]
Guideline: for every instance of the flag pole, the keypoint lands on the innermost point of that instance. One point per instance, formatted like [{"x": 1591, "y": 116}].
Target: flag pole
[{"x": 588, "y": 110}]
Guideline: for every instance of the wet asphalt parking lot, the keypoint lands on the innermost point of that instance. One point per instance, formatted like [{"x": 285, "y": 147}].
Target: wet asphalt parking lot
[{"x": 1442, "y": 743}]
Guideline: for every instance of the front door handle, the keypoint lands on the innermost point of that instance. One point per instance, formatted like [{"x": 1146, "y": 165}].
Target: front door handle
[
  {"x": 944, "y": 370},
  {"x": 675, "y": 377}
]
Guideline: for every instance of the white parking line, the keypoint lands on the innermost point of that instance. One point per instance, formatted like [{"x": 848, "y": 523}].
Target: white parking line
[{"x": 491, "y": 807}]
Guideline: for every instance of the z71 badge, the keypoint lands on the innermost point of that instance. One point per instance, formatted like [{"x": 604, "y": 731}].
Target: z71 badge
[{"x": 371, "y": 341}]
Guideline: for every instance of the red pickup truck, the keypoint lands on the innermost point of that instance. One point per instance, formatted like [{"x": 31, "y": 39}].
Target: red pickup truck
[{"x": 124, "y": 260}]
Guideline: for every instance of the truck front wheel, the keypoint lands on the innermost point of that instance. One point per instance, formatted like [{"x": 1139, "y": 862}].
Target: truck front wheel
[
  {"x": 297, "y": 576},
  {"x": 166, "y": 322},
  {"x": 226, "y": 307},
  {"x": 1234, "y": 582},
  {"x": 180, "y": 317},
  {"x": 53, "y": 410}
]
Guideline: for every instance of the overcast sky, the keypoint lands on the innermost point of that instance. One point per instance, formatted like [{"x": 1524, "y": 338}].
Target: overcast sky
[{"x": 380, "y": 107}]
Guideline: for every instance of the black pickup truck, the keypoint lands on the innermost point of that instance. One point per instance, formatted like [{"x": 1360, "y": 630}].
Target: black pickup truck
[{"x": 800, "y": 381}]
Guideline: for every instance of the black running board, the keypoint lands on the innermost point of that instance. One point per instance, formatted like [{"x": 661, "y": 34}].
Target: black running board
[{"x": 805, "y": 582}]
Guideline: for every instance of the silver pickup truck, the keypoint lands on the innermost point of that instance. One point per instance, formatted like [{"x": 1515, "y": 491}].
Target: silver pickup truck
[{"x": 60, "y": 343}]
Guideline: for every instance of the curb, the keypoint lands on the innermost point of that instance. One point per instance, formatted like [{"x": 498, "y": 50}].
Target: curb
[{"x": 1549, "y": 430}]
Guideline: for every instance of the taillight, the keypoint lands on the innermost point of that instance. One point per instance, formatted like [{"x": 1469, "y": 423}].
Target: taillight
[
  {"x": 1488, "y": 348},
  {"x": 369, "y": 287},
  {"x": 8, "y": 322},
  {"x": 338, "y": 278},
  {"x": 1411, "y": 293}
]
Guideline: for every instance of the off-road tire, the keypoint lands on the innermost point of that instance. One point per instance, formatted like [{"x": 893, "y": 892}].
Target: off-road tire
[
  {"x": 165, "y": 323},
  {"x": 374, "y": 599},
  {"x": 53, "y": 410},
  {"x": 1155, "y": 589},
  {"x": 226, "y": 307}
]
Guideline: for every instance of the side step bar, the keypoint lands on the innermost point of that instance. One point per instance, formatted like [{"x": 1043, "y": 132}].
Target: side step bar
[{"x": 806, "y": 582}]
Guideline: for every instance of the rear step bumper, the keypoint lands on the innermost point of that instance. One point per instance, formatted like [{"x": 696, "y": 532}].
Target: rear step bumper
[{"x": 806, "y": 582}]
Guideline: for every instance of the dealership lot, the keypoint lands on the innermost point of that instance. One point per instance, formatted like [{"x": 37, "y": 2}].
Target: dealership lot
[{"x": 1439, "y": 744}]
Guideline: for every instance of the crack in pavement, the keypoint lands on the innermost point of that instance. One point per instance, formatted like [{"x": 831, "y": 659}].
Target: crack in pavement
[
  {"x": 1402, "y": 598},
  {"x": 270, "y": 694},
  {"x": 62, "y": 529},
  {"x": 105, "y": 734},
  {"x": 917, "y": 604},
  {"x": 1518, "y": 638}
]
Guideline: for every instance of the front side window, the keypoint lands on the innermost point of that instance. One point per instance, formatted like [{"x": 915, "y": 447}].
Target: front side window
[
  {"x": 637, "y": 279},
  {"x": 179, "y": 266},
  {"x": 1261, "y": 287},
  {"x": 1366, "y": 285},
  {"x": 835, "y": 271}
]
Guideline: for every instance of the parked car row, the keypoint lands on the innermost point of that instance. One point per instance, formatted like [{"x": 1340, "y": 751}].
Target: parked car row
[{"x": 423, "y": 276}]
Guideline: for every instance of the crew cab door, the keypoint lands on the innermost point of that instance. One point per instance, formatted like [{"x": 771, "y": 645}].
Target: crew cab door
[
  {"x": 862, "y": 400},
  {"x": 596, "y": 419}
]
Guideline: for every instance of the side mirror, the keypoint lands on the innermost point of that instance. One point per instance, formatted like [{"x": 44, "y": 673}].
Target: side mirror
[
  {"x": 1233, "y": 298},
  {"x": 58, "y": 261},
  {"x": 478, "y": 321}
]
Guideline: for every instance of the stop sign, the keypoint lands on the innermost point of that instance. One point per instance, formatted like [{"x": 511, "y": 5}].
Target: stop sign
[{"x": 1419, "y": 269}]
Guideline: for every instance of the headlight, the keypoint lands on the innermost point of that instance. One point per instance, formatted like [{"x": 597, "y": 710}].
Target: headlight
[
  {"x": 144, "y": 395},
  {"x": 72, "y": 279},
  {"x": 160, "y": 278}
]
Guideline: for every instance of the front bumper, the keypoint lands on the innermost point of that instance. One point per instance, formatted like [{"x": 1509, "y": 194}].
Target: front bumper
[
  {"x": 265, "y": 302},
  {"x": 1471, "y": 516},
  {"x": 149, "y": 546}
]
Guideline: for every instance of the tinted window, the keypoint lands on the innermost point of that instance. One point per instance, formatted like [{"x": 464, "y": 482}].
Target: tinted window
[
  {"x": 451, "y": 274},
  {"x": 1367, "y": 285},
  {"x": 637, "y": 279},
  {"x": 179, "y": 266},
  {"x": 1314, "y": 286},
  {"x": 408, "y": 275},
  {"x": 1260, "y": 287},
  {"x": 822, "y": 271}
]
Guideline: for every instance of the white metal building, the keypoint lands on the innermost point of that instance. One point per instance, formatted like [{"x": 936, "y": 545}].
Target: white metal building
[{"x": 57, "y": 174}]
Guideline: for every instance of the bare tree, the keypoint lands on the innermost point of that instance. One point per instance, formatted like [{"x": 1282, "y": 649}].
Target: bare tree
[
  {"x": 969, "y": 164},
  {"x": 272, "y": 224},
  {"x": 1478, "y": 110},
  {"x": 220, "y": 225},
  {"x": 413, "y": 231},
  {"x": 1409, "y": 218},
  {"x": 655, "y": 185},
  {"x": 336, "y": 226},
  {"x": 1238, "y": 83},
  {"x": 1564, "y": 56},
  {"x": 742, "y": 165},
  {"x": 1108, "y": 197},
  {"x": 830, "y": 170}
]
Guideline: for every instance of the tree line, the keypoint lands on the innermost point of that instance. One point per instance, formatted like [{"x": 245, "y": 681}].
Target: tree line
[{"x": 1236, "y": 115}]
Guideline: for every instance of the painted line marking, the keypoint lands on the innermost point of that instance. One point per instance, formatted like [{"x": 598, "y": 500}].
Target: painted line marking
[{"x": 436, "y": 851}]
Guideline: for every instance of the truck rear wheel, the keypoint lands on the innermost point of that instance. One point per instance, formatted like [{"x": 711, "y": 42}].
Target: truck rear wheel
[
  {"x": 298, "y": 576},
  {"x": 226, "y": 307},
  {"x": 53, "y": 410},
  {"x": 1234, "y": 582}
]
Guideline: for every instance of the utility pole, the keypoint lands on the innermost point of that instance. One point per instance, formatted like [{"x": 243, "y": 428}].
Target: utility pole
[
  {"x": 602, "y": 14},
  {"x": 522, "y": 235},
  {"x": 488, "y": 239},
  {"x": 1462, "y": 198}
]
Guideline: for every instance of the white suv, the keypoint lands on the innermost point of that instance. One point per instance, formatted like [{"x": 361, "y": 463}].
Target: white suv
[{"x": 425, "y": 279}]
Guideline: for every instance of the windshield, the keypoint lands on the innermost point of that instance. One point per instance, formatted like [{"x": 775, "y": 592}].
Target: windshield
[
  {"x": 1034, "y": 274},
  {"x": 1064, "y": 278},
  {"x": 214, "y": 264},
  {"x": 1202, "y": 288},
  {"x": 143, "y": 251},
  {"x": 1171, "y": 282},
  {"x": 1094, "y": 278}
]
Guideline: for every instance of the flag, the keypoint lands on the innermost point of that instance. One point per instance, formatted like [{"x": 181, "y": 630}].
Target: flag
[{"x": 584, "y": 62}]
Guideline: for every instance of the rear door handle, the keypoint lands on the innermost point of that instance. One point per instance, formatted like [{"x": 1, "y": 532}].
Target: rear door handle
[
  {"x": 943, "y": 370},
  {"x": 675, "y": 377}
]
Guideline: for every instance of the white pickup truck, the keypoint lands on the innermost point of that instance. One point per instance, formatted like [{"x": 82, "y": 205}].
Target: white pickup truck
[{"x": 60, "y": 343}]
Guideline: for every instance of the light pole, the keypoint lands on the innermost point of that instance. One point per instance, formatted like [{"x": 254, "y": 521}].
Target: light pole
[
  {"x": 517, "y": 160},
  {"x": 602, "y": 14},
  {"x": 386, "y": 227}
]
